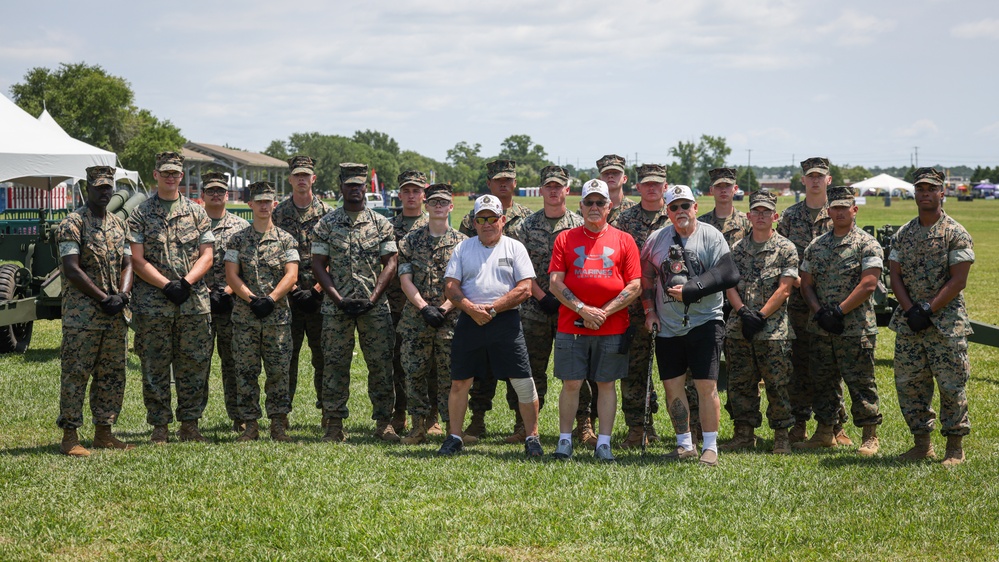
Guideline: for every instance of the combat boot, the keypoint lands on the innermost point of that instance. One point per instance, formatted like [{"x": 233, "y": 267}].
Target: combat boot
[
  {"x": 238, "y": 426},
  {"x": 434, "y": 427},
  {"x": 634, "y": 438},
  {"x": 71, "y": 444},
  {"x": 417, "y": 433},
  {"x": 519, "y": 432},
  {"x": 251, "y": 432},
  {"x": 584, "y": 431},
  {"x": 279, "y": 426},
  {"x": 744, "y": 438},
  {"x": 334, "y": 431},
  {"x": 782, "y": 444},
  {"x": 955, "y": 451},
  {"x": 653, "y": 437},
  {"x": 104, "y": 440},
  {"x": 870, "y": 443},
  {"x": 399, "y": 421},
  {"x": 823, "y": 437},
  {"x": 923, "y": 449},
  {"x": 799, "y": 432},
  {"x": 160, "y": 435},
  {"x": 189, "y": 432},
  {"x": 385, "y": 431},
  {"x": 477, "y": 427},
  {"x": 841, "y": 437}
]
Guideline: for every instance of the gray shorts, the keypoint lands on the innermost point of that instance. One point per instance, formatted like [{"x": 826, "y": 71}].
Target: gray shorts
[{"x": 594, "y": 358}]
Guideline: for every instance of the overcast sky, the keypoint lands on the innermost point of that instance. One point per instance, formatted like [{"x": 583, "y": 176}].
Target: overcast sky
[{"x": 860, "y": 82}]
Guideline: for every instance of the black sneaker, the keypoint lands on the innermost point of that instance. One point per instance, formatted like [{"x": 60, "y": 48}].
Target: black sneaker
[
  {"x": 451, "y": 446},
  {"x": 532, "y": 447}
]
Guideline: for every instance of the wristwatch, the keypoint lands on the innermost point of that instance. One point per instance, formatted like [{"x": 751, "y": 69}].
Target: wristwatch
[
  {"x": 579, "y": 307},
  {"x": 492, "y": 313},
  {"x": 926, "y": 308}
]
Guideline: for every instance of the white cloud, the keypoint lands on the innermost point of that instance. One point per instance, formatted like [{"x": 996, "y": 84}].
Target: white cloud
[
  {"x": 918, "y": 128},
  {"x": 854, "y": 28},
  {"x": 983, "y": 29},
  {"x": 990, "y": 130}
]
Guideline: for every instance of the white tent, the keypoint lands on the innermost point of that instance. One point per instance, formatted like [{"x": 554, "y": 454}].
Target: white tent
[
  {"x": 885, "y": 182},
  {"x": 120, "y": 173}
]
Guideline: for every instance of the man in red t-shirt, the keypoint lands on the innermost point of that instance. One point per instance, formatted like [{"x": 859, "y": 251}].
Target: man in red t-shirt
[{"x": 601, "y": 263}]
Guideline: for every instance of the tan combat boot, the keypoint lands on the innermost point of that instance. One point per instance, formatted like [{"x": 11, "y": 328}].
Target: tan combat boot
[
  {"x": 251, "y": 432},
  {"x": 399, "y": 421},
  {"x": 823, "y": 437},
  {"x": 923, "y": 449},
  {"x": 869, "y": 443},
  {"x": 744, "y": 438},
  {"x": 238, "y": 426},
  {"x": 334, "y": 431},
  {"x": 477, "y": 427},
  {"x": 955, "y": 451},
  {"x": 71, "y": 444},
  {"x": 584, "y": 431},
  {"x": 634, "y": 438},
  {"x": 104, "y": 440},
  {"x": 798, "y": 433},
  {"x": 417, "y": 433},
  {"x": 434, "y": 426},
  {"x": 782, "y": 445},
  {"x": 841, "y": 437},
  {"x": 279, "y": 427},
  {"x": 519, "y": 432},
  {"x": 385, "y": 432},
  {"x": 160, "y": 435},
  {"x": 189, "y": 432}
]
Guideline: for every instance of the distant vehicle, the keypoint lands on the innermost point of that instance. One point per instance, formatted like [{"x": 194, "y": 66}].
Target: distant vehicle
[
  {"x": 739, "y": 194},
  {"x": 375, "y": 200}
]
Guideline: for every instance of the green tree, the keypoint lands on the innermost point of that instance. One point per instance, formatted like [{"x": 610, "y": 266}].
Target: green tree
[
  {"x": 712, "y": 153},
  {"x": 796, "y": 185},
  {"x": 277, "y": 149},
  {"x": 682, "y": 172},
  {"x": 377, "y": 140},
  {"x": 854, "y": 174},
  {"x": 148, "y": 135},
  {"x": 746, "y": 180},
  {"x": 530, "y": 158},
  {"x": 468, "y": 167},
  {"x": 910, "y": 174}
]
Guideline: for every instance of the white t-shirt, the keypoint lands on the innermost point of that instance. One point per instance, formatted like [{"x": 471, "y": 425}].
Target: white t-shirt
[{"x": 487, "y": 274}]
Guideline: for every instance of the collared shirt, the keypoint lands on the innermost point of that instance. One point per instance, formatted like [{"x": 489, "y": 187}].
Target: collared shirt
[
  {"x": 761, "y": 268},
  {"x": 734, "y": 227},
  {"x": 224, "y": 230},
  {"x": 425, "y": 258},
  {"x": 300, "y": 223},
  {"x": 101, "y": 245},
  {"x": 835, "y": 265},
  {"x": 355, "y": 249},
  {"x": 262, "y": 257}
]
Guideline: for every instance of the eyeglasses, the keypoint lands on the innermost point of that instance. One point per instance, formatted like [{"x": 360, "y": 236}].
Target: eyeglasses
[
  {"x": 215, "y": 192},
  {"x": 484, "y": 220},
  {"x": 761, "y": 213},
  {"x": 597, "y": 202},
  {"x": 171, "y": 174},
  {"x": 677, "y": 206},
  {"x": 438, "y": 203}
]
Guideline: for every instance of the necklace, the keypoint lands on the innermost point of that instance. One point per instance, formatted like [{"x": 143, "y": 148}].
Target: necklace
[{"x": 599, "y": 235}]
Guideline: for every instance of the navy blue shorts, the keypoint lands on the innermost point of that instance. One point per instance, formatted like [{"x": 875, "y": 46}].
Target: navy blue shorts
[
  {"x": 499, "y": 345},
  {"x": 699, "y": 350}
]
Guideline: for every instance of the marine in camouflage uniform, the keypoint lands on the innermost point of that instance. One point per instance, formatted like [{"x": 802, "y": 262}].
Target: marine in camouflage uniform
[
  {"x": 426, "y": 348},
  {"x": 298, "y": 215},
  {"x": 613, "y": 172},
  {"x": 225, "y": 225},
  {"x": 735, "y": 226},
  {"x": 353, "y": 260},
  {"x": 768, "y": 269},
  {"x": 840, "y": 268},
  {"x": 930, "y": 259},
  {"x": 171, "y": 253},
  {"x": 262, "y": 267},
  {"x": 96, "y": 262}
]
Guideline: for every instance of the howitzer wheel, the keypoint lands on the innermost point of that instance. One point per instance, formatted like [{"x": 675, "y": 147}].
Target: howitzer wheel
[{"x": 13, "y": 338}]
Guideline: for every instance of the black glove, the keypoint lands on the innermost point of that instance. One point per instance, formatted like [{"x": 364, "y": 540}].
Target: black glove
[
  {"x": 726, "y": 309},
  {"x": 220, "y": 301},
  {"x": 355, "y": 307},
  {"x": 830, "y": 319},
  {"x": 432, "y": 315},
  {"x": 261, "y": 306},
  {"x": 113, "y": 304},
  {"x": 918, "y": 318},
  {"x": 753, "y": 322},
  {"x": 549, "y": 304},
  {"x": 177, "y": 291},
  {"x": 305, "y": 300}
]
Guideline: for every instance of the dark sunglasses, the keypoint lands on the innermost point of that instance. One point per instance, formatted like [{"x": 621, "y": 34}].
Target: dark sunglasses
[
  {"x": 484, "y": 220},
  {"x": 677, "y": 206},
  {"x": 597, "y": 202}
]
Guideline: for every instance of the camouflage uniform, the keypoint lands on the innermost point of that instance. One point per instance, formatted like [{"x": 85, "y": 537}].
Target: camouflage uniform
[
  {"x": 93, "y": 343},
  {"x": 768, "y": 355},
  {"x": 835, "y": 265},
  {"x": 618, "y": 209},
  {"x": 939, "y": 352},
  {"x": 262, "y": 257},
  {"x": 224, "y": 230},
  {"x": 734, "y": 227},
  {"x": 355, "y": 249},
  {"x": 426, "y": 350},
  {"x": 397, "y": 300},
  {"x": 300, "y": 223},
  {"x": 168, "y": 335}
]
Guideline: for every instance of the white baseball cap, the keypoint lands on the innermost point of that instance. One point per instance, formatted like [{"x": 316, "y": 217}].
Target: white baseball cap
[
  {"x": 488, "y": 203},
  {"x": 596, "y": 186},
  {"x": 675, "y": 192}
]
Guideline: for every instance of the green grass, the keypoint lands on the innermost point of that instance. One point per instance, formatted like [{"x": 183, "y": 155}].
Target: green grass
[{"x": 366, "y": 500}]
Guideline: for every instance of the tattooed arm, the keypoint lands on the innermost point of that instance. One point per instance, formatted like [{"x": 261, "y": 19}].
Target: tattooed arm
[
  {"x": 592, "y": 316},
  {"x": 624, "y": 298}
]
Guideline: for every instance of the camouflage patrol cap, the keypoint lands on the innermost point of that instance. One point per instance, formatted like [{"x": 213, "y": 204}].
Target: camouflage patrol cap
[
  {"x": 556, "y": 174},
  {"x": 611, "y": 162},
  {"x": 214, "y": 179},
  {"x": 301, "y": 164},
  {"x": 931, "y": 176},
  {"x": 412, "y": 177},
  {"x": 100, "y": 175},
  {"x": 840, "y": 196},
  {"x": 722, "y": 175},
  {"x": 439, "y": 191},
  {"x": 816, "y": 164},
  {"x": 353, "y": 173},
  {"x": 169, "y": 162},
  {"x": 763, "y": 198},
  {"x": 262, "y": 191},
  {"x": 501, "y": 169},
  {"x": 651, "y": 172}
]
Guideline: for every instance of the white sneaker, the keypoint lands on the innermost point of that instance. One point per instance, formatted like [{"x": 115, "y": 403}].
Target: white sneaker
[{"x": 603, "y": 453}]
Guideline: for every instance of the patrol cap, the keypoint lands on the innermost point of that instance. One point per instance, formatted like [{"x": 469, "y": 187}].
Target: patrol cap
[
  {"x": 439, "y": 191},
  {"x": 722, "y": 175},
  {"x": 262, "y": 191},
  {"x": 651, "y": 172},
  {"x": 100, "y": 175},
  {"x": 412, "y": 177},
  {"x": 763, "y": 198},
  {"x": 840, "y": 196},
  {"x": 301, "y": 164},
  {"x": 678, "y": 192},
  {"x": 214, "y": 179},
  {"x": 554, "y": 173},
  {"x": 929, "y": 175},
  {"x": 815, "y": 164},
  {"x": 169, "y": 162},
  {"x": 611, "y": 162},
  {"x": 596, "y": 186},
  {"x": 353, "y": 173},
  {"x": 488, "y": 203},
  {"x": 501, "y": 169}
]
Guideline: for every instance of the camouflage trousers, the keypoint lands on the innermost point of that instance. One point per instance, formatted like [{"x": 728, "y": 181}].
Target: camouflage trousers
[
  {"x": 850, "y": 359},
  {"x": 181, "y": 344},
  {"x": 306, "y": 324},
  {"x": 398, "y": 373},
  {"x": 270, "y": 343},
  {"x": 921, "y": 358},
  {"x": 222, "y": 334},
  {"x": 98, "y": 355},
  {"x": 800, "y": 388},
  {"x": 633, "y": 387},
  {"x": 749, "y": 363},
  {"x": 374, "y": 330},
  {"x": 426, "y": 359}
]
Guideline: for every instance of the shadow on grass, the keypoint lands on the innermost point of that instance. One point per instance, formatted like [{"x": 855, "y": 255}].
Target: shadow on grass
[
  {"x": 52, "y": 449},
  {"x": 886, "y": 362},
  {"x": 34, "y": 355},
  {"x": 986, "y": 380},
  {"x": 857, "y": 460}
]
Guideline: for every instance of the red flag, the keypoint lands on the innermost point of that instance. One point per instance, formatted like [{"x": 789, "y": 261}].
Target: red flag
[{"x": 374, "y": 181}]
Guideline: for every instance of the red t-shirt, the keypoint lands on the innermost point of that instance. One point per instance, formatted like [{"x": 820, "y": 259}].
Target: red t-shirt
[{"x": 597, "y": 268}]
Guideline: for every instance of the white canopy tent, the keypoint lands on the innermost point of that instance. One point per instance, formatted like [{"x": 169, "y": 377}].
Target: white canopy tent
[
  {"x": 120, "y": 173},
  {"x": 892, "y": 184}
]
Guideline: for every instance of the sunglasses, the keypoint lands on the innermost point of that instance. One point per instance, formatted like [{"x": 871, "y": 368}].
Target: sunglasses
[
  {"x": 438, "y": 203},
  {"x": 597, "y": 202},
  {"x": 485, "y": 220},
  {"x": 677, "y": 206}
]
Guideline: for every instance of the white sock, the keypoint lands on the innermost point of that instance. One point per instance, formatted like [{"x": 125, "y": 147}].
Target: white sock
[
  {"x": 710, "y": 441},
  {"x": 562, "y": 436},
  {"x": 685, "y": 440},
  {"x": 458, "y": 437},
  {"x": 603, "y": 440}
]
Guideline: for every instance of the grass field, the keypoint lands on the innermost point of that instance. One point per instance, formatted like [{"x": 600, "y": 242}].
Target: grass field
[{"x": 366, "y": 500}]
